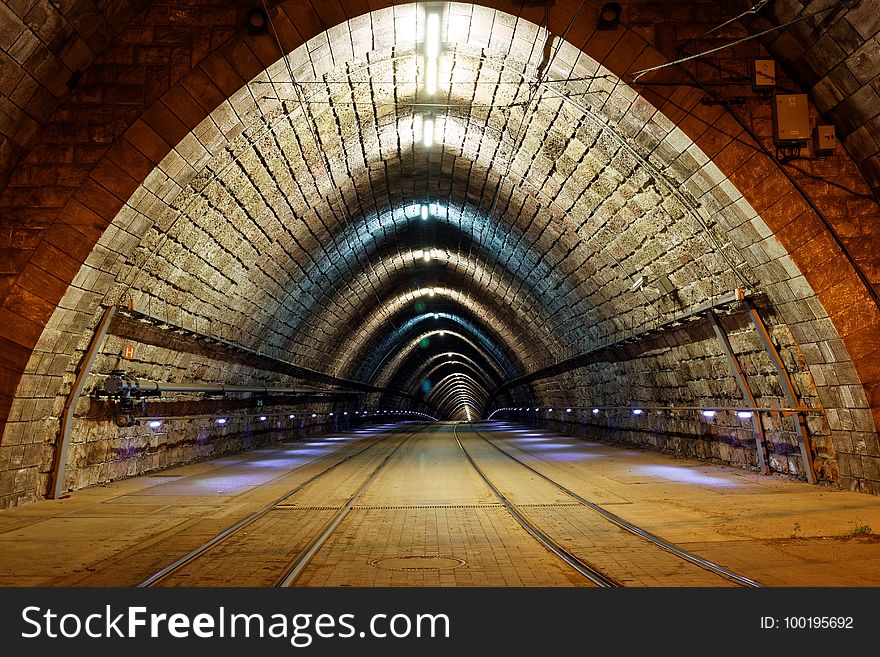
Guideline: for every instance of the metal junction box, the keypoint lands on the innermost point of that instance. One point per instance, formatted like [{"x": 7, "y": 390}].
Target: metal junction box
[
  {"x": 824, "y": 140},
  {"x": 791, "y": 118},
  {"x": 764, "y": 75}
]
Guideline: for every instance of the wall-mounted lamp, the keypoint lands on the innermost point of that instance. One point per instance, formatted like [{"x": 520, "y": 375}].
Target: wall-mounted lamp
[
  {"x": 609, "y": 16},
  {"x": 257, "y": 21}
]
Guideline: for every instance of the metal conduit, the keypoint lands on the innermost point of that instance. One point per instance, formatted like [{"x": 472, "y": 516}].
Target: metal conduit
[{"x": 121, "y": 386}]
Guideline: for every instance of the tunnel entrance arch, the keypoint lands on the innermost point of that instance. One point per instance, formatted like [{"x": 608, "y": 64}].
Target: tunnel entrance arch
[{"x": 225, "y": 162}]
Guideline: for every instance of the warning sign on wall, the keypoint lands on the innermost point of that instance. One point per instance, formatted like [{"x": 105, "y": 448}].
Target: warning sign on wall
[{"x": 128, "y": 352}]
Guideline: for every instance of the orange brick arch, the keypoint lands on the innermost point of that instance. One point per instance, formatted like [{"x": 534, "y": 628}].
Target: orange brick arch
[{"x": 71, "y": 203}]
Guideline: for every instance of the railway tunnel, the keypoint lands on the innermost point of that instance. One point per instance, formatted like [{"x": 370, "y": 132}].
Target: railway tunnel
[{"x": 390, "y": 293}]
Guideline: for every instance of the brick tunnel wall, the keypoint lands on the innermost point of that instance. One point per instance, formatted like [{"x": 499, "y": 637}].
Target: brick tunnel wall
[
  {"x": 101, "y": 451},
  {"x": 688, "y": 367},
  {"x": 169, "y": 39}
]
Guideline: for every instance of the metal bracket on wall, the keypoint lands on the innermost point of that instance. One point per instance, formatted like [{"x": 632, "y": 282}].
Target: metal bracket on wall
[
  {"x": 143, "y": 327},
  {"x": 697, "y": 313},
  {"x": 787, "y": 388},
  {"x": 63, "y": 442},
  {"x": 745, "y": 389}
]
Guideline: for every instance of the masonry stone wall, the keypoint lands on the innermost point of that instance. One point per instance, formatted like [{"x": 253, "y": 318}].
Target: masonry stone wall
[
  {"x": 688, "y": 368},
  {"x": 201, "y": 196}
]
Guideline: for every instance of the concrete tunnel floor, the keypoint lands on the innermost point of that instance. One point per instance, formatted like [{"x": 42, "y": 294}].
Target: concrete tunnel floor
[{"x": 429, "y": 520}]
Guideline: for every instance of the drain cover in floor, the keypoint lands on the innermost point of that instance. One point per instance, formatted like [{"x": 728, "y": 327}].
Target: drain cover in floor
[{"x": 417, "y": 563}]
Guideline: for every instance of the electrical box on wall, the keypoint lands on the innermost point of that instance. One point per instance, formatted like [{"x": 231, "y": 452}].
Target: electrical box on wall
[
  {"x": 791, "y": 118},
  {"x": 764, "y": 75},
  {"x": 824, "y": 140}
]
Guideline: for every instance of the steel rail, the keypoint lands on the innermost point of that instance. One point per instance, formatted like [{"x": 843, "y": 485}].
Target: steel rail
[
  {"x": 633, "y": 529},
  {"x": 256, "y": 515},
  {"x": 293, "y": 571},
  {"x": 572, "y": 560}
]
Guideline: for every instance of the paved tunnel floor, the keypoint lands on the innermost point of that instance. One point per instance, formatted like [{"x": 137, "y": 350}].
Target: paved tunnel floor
[{"x": 407, "y": 505}]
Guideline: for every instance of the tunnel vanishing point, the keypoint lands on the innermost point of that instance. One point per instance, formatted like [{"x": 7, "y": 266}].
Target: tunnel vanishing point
[{"x": 225, "y": 224}]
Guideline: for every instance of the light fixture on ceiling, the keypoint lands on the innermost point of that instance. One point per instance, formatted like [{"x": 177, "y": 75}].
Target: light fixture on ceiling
[
  {"x": 431, "y": 77},
  {"x": 609, "y": 15},
  {"x": 427, "y": 256},
  {"x": 432, "y": 52},
  {"x": 257, "y": 21},
  {"x": 638, "y": 283},
  {"x": 424, "y": 212},
  {"x": 432, "y": 35},
  {"x": 428, "y": 132}
]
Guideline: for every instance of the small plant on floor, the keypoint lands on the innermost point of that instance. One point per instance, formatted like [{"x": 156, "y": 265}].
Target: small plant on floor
[{"x": 859, "y": 530}]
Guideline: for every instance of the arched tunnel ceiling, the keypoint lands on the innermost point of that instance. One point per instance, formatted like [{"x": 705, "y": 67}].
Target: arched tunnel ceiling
[
  {"x": 554, "y": 190},
  {"x": 567, "y": 215},
  {"x": 442, "y": 321},
  {"x": 45, "y": 48},
  {"x": 567, "y": 211}
]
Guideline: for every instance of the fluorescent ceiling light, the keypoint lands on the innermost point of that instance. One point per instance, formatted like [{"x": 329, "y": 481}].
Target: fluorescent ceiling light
[
  {"x": 428, "y": 133},
  {"x": 431, "y": 76},
  {"x": 432, "y": 36}
]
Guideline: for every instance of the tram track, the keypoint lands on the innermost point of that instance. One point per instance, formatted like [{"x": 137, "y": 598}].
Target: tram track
[
  {"x": 279, "y": 549},
  {"x": 567, "y": 555},
  {"x": 237, "y": 528},
  {"x": 572, "y": 560},
  {"x": 676, "y": 550}
]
